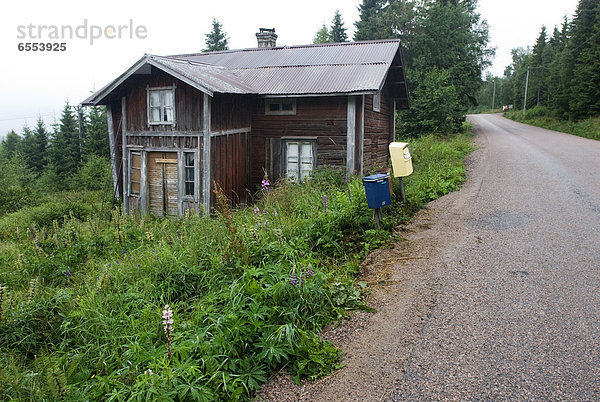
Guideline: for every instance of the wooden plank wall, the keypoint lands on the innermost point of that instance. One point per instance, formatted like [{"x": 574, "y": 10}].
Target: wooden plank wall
[
  {"x": 188, "y": 103},
  {"x": 230, "y": 166},
  {"x": 118, "y": 141},
  {"x": 322, "y": 117},
  {"x": 378, "y": 127},
  {"x": 230, "y": 112}
]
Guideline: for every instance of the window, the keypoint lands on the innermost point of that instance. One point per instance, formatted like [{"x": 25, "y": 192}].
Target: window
[
  {"x": 136, "y": 170},
  {"x": 377, "y": 102},
  {"x": 299, "y": 159},
  {"x": 280, "y": 106},
  {"x": 161, "y": 105},
  {"x": 189, "y": 173}
]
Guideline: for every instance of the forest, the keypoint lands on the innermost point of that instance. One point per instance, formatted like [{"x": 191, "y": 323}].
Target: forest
[{"x": 561, "y": 70}]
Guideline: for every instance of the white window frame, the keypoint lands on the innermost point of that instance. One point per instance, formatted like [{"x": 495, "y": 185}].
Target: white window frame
[
  {"x": 300, "y": 141},
  {"x": 280, "y": 102},
  {"x": 190, "y": 197},
  {"x": 161, "y": 90},
  {"x": 377, "y": 102}
]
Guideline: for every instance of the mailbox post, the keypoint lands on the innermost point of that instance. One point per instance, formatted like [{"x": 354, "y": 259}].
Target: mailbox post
[
  {"x": 401, "y": 162},
  {"x": 377, "y": 190}
]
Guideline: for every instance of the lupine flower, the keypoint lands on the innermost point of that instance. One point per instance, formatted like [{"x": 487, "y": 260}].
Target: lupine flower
[
  {"x": 167, "y": 320},
  {"x": 275, "y": 213},
  {"x": 310, "y": 273},
  {"x": 293, "y": 279},
  {"x": 256, "y": 210},
  {"x": 69, "y": 272},
  {"x": 168, "y": 327},
  {"x": 325, "y": 203},
  {"x": 123, "y": 251},
  {"x": 346, "y": 179}
]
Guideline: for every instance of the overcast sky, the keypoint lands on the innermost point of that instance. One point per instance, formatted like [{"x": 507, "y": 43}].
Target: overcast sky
[{"x": 38, "y": 83}]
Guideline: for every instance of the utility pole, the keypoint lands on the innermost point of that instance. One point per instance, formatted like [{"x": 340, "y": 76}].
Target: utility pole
[
  {"x": 526, "y": 84},
  {"x": 494, "y": 97}
]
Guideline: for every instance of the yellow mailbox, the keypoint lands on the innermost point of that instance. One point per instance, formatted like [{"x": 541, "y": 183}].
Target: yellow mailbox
[{"x": 401, "y": 159}]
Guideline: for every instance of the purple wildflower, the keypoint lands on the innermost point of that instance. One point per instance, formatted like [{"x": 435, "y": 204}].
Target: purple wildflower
[
  {"x": 265, "y": 184},
  {"x": 310, "y": 273},
  {"x": 153, "y": 251},
  {"x": 325, "y": 203},
  {"x": 346, "y": 179},
  {"x": 123, "y": 251},
  {"x": 69, "y": 272},
  {"x": 275, "y": 213},
  {"x": 256, "y": 210},
  {"x": 293, "y": 279}
]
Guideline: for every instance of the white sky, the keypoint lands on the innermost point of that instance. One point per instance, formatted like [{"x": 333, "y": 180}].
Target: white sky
[{"x": 38, "y": 83}]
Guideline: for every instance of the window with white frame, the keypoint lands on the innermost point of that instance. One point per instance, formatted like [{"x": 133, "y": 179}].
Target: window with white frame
[
  {"x": 299, "y": 159},
  {"x": 189, "y": 168},
  {"x": 161, "y": 105},
  {"x": 377, "y": 102},
  {"x": 281, "y": 106},
  {"x": 136, "y": 173}
]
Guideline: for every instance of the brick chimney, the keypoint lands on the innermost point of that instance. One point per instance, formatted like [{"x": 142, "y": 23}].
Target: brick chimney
[{"x": 266, "y": 37}]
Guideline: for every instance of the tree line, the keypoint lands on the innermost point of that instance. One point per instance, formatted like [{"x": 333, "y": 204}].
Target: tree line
[
  {"x": 563, "y": 68},
  {"x": 73, "y": 154}
]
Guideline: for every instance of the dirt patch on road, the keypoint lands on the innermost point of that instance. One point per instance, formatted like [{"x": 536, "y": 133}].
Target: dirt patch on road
[{"x": 404, "y": 282}]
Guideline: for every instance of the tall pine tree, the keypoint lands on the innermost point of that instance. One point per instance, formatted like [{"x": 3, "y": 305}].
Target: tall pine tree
[
  {"x": 65, "y": 156},
  {"x": 97, "y": 134},
  {"x": 338, "y": 32},
  {"x": 216, "y": 40}
]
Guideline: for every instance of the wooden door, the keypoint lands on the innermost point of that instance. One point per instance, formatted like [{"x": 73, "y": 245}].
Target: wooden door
[{"x": 162, "y": 183}]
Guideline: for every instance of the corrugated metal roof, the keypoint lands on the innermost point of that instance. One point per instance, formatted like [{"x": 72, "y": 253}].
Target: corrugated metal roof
[
  {"x": 325, "y": 79},
  {"x": 307, "y": 55},
  {"x": 349, "y": 67},
  {"x": 211, "y": 78}
]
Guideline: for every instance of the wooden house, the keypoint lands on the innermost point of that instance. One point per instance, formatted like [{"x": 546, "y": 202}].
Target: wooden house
[{"x": 179, "y": 123}]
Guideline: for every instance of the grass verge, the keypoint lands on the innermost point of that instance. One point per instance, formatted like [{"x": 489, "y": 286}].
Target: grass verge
[
  {"x": 82, "y": 297},
  {"x": 540, "y": 117}
]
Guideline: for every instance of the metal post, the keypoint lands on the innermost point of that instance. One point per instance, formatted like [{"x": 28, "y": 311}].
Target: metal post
[
  {"x": 494, "y": 96},
  {"x": 402, "y": 193},
  {"x": 525, "y": 100}
]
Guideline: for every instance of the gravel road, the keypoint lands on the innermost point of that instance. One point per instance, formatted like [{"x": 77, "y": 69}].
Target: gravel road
[
  {"x": 495, "y": 292},
  {"x": 518, "y": 313}
]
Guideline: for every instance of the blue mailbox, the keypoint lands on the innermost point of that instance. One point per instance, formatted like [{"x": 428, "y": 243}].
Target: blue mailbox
[{"x": 377, "y": 188}]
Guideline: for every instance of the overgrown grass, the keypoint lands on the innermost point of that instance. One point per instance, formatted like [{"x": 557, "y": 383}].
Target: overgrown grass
[
  {"x": 541, "y": 117},
  {"x": 250, "y": 289}
]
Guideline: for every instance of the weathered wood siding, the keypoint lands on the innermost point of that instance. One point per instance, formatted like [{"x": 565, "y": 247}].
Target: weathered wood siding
[
  {"x": 378, "y": 132},
  {"x": 231, "y": 112},
  {"x": 231, "y": 166},
  {"x": 115, "y": 108},
  {"x": 188, "y": 103},
  {"x": 321, "y": 117}
]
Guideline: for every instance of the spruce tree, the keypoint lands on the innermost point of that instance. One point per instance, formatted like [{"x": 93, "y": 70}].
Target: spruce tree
[
  {"x": 338, "y": 32},
  {"x": 216, "y": 40},
  {"x": 97, "y": 134},
  {"x": 368, "y": 27},
  {"x": 11, "y": 144},
  {"x": 538, "y": 69},
  {"x": 65, "y": 155},
  {"x": 322, "y": 36},
  {"x": 585, "y": 101},
  {"x": 39, "y": 159}
]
